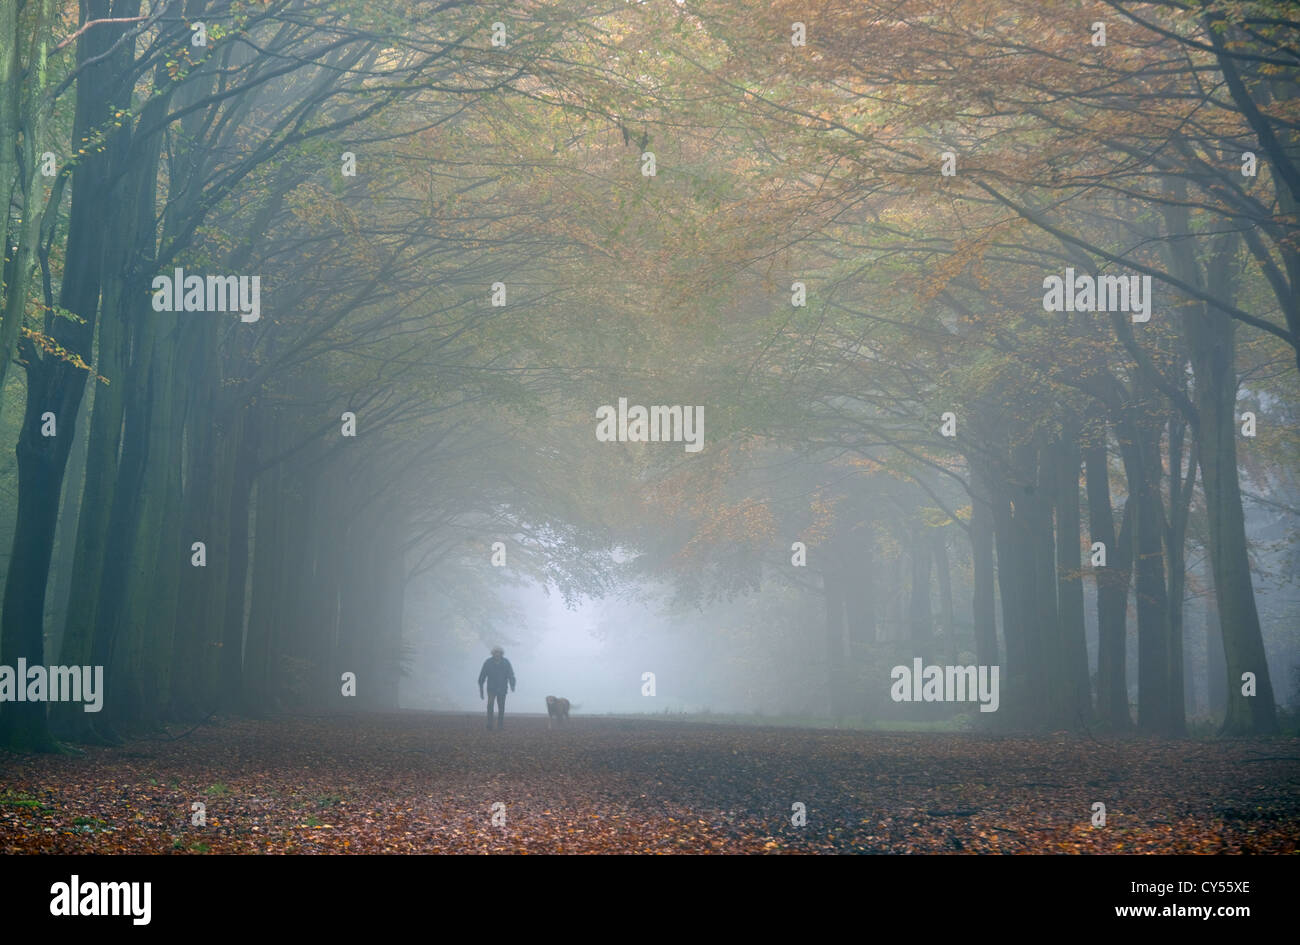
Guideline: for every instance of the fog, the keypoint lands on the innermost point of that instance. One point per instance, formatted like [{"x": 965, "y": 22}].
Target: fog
[
  {"x": 672, "y": 426},
  {"x": 593, "y": 653}
]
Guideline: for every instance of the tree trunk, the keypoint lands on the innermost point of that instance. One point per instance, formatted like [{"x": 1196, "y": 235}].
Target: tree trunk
[
  {"x": 264, "y": 617},
  {"x": 1036, "y": 548},
  {"x": 1216, "y": 668},
  {"x": 1019, "y": 701},
  {"x": 984, "y": 612},
  {"x": 1112, "y": 585},
  {"x": 55, "y": 385},
  {"x": 1139, "y": 447},
  {"x": 1213, "y": 355},
  {"x": 1180, "y": 490},
  {"x": 919, "y": 616},
  {"x": 943, "y": 576},
  {"x": 1211, "y": 340},
  {"x": 247, "y": 433},
  {"x": 1069, "y": 578},
  {"x": 41, "y": 461},
  {"x": 126, "y": 251},
  {"x": 860, "y": 598}
]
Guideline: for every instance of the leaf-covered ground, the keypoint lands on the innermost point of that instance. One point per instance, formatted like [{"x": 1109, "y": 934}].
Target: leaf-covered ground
[{"x": 420, "y": 783}]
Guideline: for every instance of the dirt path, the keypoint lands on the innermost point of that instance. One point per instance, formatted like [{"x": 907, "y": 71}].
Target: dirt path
[{"x": 428, "y": 783}]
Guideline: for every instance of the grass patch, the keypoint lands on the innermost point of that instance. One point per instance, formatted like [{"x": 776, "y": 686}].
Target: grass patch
[
  {"x": 217, "y": 790},
  {"x": 181, "y": 845},
  {"x": 19, "y": 799}
]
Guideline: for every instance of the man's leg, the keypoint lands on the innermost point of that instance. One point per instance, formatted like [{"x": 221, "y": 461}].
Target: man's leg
[
  {"x": 490, "y": 697},
  {"x": 501, "y": 711}
]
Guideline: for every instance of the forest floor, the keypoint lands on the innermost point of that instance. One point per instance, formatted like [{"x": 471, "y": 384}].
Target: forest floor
[{"x": 431, "y": 783}]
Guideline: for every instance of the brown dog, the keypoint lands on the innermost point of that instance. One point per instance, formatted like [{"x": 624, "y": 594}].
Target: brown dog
[{"x": 556, "y": 709}]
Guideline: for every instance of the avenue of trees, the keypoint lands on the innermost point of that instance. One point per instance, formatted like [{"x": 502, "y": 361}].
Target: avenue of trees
[{"x": 829, "y": 224}]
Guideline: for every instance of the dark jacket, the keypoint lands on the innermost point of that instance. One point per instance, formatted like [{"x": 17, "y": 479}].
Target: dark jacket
[{"x": 497, "y": 672}]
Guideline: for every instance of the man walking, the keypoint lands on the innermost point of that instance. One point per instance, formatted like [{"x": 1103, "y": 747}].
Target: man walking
[{"x": 497, "y": 672}]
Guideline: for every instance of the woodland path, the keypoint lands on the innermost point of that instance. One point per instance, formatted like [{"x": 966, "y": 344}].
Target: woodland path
[{"x": 426, "y": 783}]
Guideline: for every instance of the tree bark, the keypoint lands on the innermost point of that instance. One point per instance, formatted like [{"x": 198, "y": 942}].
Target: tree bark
[
  {"x": 1213, "y": 356},
  {"x": 1211, "y": 340},
  {"x": 1112, "y": 585},
  {"x": 1069, "y": 578},
  {"x": 1139, "y": 447},
  {"x": 983, "y": 607},
  {"x": 919, "y": 616}
]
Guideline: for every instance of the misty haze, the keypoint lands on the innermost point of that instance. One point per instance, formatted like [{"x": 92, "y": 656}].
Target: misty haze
[{"x": 682, "y": 426}]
